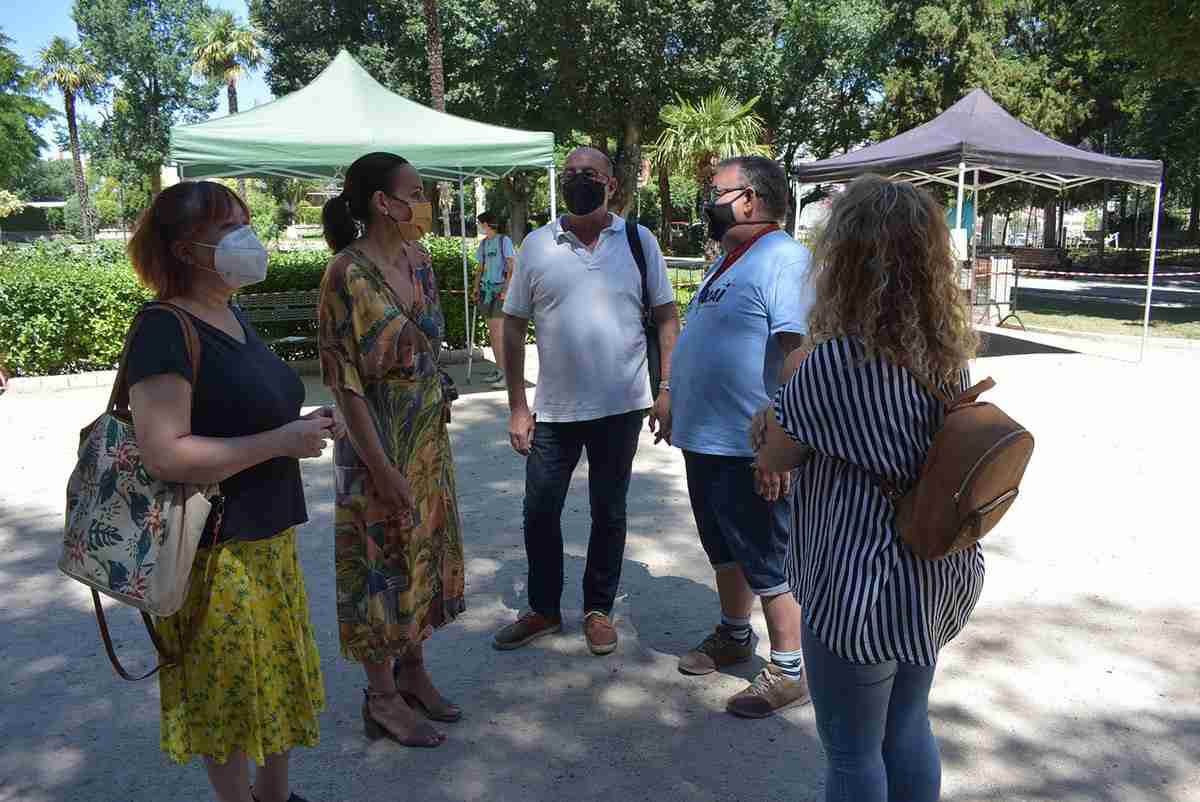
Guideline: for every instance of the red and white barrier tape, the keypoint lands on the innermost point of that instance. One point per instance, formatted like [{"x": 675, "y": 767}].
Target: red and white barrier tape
[{"x": 1065, "y": 274}]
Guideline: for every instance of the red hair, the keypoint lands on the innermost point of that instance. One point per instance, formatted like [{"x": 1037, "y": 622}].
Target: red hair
[{"x": 176, "y": 215}]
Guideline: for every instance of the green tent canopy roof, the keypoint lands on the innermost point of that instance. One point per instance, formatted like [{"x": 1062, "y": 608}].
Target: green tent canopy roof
[{"x": 318, "y": 131}]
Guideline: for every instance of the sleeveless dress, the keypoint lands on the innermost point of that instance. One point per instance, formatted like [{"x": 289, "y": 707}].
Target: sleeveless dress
[{"x": 398, "y": 577}]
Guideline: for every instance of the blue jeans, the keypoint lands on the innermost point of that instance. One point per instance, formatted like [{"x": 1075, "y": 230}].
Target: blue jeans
[
  {"x": 874, "y": 725},
  {"x": 611, "y": 444}
]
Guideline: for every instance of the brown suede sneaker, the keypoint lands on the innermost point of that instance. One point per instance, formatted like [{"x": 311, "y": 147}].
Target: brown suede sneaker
[
  {"x": 770, "y": 691},
  {"x": 529, "y": 627},
  {"x": 600, "y": 633},
  {"x": 716, "y": 651}
]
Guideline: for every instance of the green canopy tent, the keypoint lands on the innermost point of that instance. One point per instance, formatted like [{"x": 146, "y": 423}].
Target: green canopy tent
[{"x": 318, "y": 131}]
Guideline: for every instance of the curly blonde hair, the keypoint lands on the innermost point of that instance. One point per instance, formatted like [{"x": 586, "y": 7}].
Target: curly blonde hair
[{"x": 884, "y": 273}]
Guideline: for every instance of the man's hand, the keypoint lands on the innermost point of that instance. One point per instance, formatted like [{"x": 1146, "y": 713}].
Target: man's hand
[
  {"x": 660, "y": 418},
  {"x": 772, "y": 486},
  {"x": 520, "y": 431}
]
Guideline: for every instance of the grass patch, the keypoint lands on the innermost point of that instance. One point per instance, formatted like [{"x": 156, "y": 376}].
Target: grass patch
[{"x": 1096, "y": 318}]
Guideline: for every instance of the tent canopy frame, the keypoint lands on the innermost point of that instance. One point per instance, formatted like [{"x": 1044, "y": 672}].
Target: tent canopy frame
[
  {"x": 988, "y": 140},
  {"x": 280, "y": 139}
]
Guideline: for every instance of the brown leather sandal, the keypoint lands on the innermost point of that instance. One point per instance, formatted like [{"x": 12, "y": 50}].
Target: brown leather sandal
[
  {"x": 447, "y": 715},
  {"x": 375, "y": 729}
]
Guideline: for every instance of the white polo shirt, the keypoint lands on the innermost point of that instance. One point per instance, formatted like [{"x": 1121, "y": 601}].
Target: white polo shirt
[{"x": 587, "y": 310}]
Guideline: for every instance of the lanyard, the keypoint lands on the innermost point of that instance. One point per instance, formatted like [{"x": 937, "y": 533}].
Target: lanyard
[{"x": 736, "y": 254}]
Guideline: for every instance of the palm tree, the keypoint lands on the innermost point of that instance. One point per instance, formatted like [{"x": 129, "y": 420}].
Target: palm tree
[
  {"x": 443, "y": 194},
  {"x": 696, "y": 136},
  {"x": 226, "y": 50},
  {"x": 65, "y": 67}
]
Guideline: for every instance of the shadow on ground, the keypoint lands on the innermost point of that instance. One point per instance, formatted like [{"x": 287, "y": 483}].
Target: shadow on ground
[
  {"x": 550, "y": 722},
  {"x": 994, "y": 344}
]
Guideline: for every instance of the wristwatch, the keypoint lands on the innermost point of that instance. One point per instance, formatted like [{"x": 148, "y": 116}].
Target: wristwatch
[{"x": 664, "y": 386}]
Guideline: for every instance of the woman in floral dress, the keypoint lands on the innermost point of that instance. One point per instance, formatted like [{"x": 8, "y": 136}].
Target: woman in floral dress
[{"x": 398, "y": 552}]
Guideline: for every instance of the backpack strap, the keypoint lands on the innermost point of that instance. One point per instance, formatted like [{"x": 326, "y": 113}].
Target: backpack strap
[
  {"x": 972, "y": 394},
  {"x": 968, "y": 396},
  {"x": 639, "y": 255}
]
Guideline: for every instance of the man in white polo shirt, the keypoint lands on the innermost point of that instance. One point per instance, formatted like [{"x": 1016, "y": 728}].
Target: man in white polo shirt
[{"x": 577, "y": 279}]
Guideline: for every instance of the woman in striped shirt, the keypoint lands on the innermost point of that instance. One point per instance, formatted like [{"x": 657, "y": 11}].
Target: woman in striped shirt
[{"x": 887, "y": 310}]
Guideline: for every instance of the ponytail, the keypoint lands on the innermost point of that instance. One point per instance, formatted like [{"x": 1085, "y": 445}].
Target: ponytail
[{"x": 340, "y": 228}]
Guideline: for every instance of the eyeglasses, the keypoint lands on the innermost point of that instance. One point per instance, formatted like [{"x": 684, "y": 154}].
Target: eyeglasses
[
  {"x": 715, "y": 192},
  {"x": 587, "y": 172}
]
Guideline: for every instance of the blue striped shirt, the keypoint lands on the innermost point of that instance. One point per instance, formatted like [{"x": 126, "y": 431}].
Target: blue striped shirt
[{"x": 864, "y": 593}]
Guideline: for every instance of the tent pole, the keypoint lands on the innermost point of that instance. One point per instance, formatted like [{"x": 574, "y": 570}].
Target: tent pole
[
  {"x": 962, "y": 180},
  {"x": 462, "y": 213},
  {"x": 974, "y": 208},
  {"x": 553, "y": 195},
  {"x": 1150, "y": 276}
]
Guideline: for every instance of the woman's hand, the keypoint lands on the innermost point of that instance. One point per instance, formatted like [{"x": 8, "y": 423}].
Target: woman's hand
[
  {"x": 305, "y": 437},
  {"x": 338, "y": 430},
  {"x": 393, "y": 490}
]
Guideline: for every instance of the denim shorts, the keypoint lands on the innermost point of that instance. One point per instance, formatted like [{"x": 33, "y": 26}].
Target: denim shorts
[{"x": 737, "y": 526}]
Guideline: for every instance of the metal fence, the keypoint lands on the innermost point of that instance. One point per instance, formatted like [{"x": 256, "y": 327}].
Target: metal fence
[{"x": 990, "y": 284}]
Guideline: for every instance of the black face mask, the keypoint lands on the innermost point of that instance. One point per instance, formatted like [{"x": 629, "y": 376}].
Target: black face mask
[
  {"x": 721, "y": 218},
  {"x": 583, "y": 195}
]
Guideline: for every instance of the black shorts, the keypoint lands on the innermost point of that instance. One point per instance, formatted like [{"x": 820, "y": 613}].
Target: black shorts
[{"x": 737, "y": 526}]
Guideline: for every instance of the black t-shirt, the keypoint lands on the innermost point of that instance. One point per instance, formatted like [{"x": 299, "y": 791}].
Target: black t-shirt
[{"x": 242, "y": 389}]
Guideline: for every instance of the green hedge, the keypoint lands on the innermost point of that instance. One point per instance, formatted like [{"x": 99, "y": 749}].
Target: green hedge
[{"x": 65, "y": 309}]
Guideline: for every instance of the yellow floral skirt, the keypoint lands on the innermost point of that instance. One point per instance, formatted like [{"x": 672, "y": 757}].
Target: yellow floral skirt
[{"x": 251, "y": 679}]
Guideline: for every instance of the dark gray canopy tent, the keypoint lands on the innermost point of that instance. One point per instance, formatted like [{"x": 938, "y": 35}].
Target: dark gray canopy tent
[{"x": 976, "y": 135}]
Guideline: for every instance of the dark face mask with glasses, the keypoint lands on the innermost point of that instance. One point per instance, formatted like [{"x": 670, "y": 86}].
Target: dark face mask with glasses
[
  {"x": 720, "y": 215},
  {"x": 583, "y": 190}
]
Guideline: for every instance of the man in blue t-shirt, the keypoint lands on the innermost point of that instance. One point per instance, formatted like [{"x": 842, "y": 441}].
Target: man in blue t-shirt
[{"x": 750, "y": 312}]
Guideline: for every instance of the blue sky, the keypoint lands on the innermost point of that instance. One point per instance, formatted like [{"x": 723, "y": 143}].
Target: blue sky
[{"x": 31, "y": 30}]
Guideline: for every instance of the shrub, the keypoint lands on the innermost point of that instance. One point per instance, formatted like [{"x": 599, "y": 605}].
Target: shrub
[
  {"x": 308, "y": 215},
  {"x": 65, "y": 309}
]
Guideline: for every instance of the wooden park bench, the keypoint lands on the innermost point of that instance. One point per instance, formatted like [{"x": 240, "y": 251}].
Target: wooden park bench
[{"x": 281, "y": 307}]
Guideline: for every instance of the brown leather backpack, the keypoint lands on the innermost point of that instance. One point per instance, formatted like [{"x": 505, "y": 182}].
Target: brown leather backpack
[{"x": 969, "y": 480}]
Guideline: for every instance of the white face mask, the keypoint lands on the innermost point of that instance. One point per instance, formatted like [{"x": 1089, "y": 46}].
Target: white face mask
[{"x": 240, "y": 259}]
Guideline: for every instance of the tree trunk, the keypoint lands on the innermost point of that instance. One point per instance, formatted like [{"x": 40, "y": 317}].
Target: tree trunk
[
  {"x": 1004, "y": 236},
  {"x": 433, "y": 48},
  {"x": 1050, "y": 225},
  {"x": 437, "y": 93},
  {"x": 231, "y": 94},
  {"x": 629, "y": 164},
  {"x": 516, "y": 190},
  {"x": 664, "y": 204},
  {"x": 988, "y": 222},
  {"x": 599, "y": 141},
  {"x": 1194, "y": 219},
  {"x": 85, "y": 215}
]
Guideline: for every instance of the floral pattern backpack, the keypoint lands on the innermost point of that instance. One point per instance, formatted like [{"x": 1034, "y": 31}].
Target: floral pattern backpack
[{"x": 128, "y": 535}]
